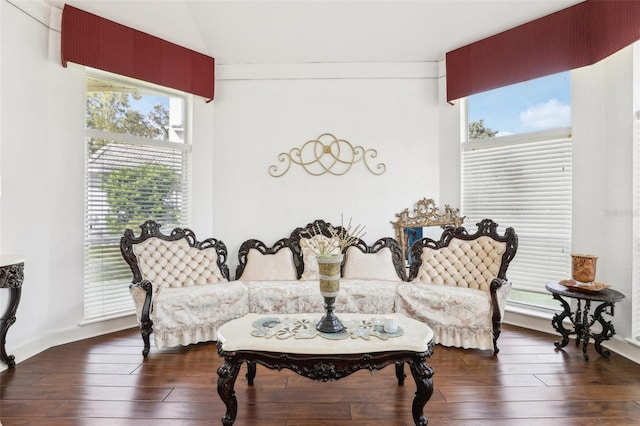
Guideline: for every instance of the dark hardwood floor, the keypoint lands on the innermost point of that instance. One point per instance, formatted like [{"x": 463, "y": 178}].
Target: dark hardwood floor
[{"x": 105, "y": 381}]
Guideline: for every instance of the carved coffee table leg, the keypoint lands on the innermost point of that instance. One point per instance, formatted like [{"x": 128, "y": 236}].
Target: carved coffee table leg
[
  {"x": 400, "y": 373},
  {"x": 422, "y": 374},
  {"x": 227, "y": 375},
  {"x": 557, "y": 320},
  {"x": 251, "y": 372}
]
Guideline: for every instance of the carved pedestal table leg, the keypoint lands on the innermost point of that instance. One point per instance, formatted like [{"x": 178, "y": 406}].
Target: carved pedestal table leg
[
  {"x": 11, "y": 277},
  {"x": 227, "y": 375},
  {"x": 422, "y": 374},
  {"x": 584, "y": 328},
  {"x": 7, "y": 320},
  {"x": 557, "y": 320},
  {"x": 607, "y": 328}
]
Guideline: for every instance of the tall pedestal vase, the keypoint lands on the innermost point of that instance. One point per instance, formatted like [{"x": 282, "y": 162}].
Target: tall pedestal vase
[{"x": 329, "y": 271}]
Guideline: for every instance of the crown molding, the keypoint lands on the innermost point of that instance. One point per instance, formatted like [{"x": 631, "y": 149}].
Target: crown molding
[{"x": 334, "y": 70}]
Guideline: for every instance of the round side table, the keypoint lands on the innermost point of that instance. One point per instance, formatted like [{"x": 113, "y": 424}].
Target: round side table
[
  {"x": 11, "y": 277},
  {"x": 606, "y": 300}
]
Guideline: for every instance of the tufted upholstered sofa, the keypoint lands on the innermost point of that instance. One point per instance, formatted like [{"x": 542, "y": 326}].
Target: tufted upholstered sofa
[
  {"x": 182, "y": 291},
  {"x": 284, "y": 278}
]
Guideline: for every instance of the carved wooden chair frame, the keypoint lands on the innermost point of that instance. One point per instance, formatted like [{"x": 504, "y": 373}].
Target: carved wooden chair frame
[
  {"x": 151, "y": 229},
  {"x": 486, "y": 227}
]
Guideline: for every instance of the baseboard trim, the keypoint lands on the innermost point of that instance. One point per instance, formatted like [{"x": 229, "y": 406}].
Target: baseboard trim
[
  {"x": 61, "y": 337},
  {"x": 542, "y": 322}
]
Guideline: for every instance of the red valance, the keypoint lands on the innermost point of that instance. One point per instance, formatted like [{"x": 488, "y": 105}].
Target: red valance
[
  {"x": 579, "y": 35},
  {"x": 96, "y": 42}
]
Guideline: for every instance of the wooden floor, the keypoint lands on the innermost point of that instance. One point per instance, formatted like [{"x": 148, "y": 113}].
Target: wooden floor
[{"x": 105, "y": 381}]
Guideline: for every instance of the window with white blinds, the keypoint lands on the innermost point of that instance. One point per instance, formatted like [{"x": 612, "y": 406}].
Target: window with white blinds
[
  {"x": 137, "y": 168},
  {"x": 524, "y": 181},
  {"x": 635, "y": 277}
]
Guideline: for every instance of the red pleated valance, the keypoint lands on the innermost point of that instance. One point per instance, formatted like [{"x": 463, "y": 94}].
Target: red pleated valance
[
  {"x": 580, "y": 35},
  {"x": 96, "y": 42}
]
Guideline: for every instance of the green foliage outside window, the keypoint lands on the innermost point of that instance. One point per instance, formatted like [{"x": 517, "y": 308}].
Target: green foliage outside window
[
  {"x": 143, "y": 191},
  {"x": 477, "y": 130}
]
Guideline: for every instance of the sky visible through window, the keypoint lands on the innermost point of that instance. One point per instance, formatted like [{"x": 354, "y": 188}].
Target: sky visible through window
[
  {"x": 147, "y": 102},
  {"x": 539, "y": 104}
]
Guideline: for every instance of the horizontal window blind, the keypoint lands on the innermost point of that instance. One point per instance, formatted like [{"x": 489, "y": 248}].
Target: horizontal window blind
[
  {"x": 525, "y": 184},
  {"x": 127, "y": 183}
]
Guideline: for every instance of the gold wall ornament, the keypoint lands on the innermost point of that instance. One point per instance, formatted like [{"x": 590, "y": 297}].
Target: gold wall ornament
[{"x": 327, "y": 154}]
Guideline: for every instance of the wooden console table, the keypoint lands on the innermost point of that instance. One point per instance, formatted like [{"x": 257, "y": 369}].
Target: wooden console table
[
  {"x": 324, "y": 359},
  {"x": 11, "y": 277},
  {"x": 580, "y": 318}
]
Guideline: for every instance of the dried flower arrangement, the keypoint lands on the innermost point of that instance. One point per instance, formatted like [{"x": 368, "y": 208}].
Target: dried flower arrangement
[{"x": 340, "y": 238}]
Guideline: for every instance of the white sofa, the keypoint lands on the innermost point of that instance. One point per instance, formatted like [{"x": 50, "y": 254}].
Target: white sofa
[
  {"x": 182, "y": 291},
  {"x": 284, "y": 278}
]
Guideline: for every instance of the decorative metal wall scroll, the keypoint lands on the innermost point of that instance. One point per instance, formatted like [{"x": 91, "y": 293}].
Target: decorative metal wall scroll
[{"x": 327, "y": 154}]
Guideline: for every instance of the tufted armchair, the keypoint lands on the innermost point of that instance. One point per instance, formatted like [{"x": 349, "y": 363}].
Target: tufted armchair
[
  {"x": 458, "y": 285},
  {"x": 180, "y": 285}
]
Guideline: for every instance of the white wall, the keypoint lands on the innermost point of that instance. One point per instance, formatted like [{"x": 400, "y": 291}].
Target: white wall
[
  {"x": 42, "y": 145},
  {"x": 602, "y": 113},
  {"x": 271, "y": 111}
]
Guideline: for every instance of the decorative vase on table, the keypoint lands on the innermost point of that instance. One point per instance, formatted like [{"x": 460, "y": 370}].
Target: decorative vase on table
[
  {"x": 329, "y": 274},
  {"x": 583, "y": 267}
]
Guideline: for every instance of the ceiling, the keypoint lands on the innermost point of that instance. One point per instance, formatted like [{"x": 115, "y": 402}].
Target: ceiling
[{"x": 304, "y": 31}]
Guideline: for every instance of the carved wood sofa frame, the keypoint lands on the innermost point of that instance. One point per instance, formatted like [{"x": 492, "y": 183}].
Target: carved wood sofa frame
[
  {"x": 486, "y": 227},
  {"x": 323, "y": 228},
  {"x": 151, "y": 229}
]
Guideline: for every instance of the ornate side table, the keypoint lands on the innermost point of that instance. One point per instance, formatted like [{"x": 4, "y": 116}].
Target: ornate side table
[
  {"x": 580, "y": 318},
  {"x": 11, "y": 277}
]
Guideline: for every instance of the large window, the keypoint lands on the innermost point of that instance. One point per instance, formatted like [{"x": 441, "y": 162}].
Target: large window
[
  {"x": 516, "y": 170},
  {"x": 137, "y": 168}
]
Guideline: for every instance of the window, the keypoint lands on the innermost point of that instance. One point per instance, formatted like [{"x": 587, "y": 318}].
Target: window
[
  {"x": 516, "y": 170},
  {"x": 137, "y": 168},
  {"x": 635, "y": 296}
]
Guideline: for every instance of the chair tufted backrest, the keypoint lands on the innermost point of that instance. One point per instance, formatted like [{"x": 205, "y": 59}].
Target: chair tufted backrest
[
  {"x": 471, "y": 264},
  {"x": 176, "y": 264},
  {"x": 462, "y": 259},
  {"x": 174, "y": 260}
]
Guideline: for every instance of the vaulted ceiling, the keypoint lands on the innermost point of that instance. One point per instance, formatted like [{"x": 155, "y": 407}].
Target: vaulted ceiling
[{"x": 276, "y": 32}]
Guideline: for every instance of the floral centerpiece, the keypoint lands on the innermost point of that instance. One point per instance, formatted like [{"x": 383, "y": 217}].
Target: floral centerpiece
[{"x": 329, "y": 254}]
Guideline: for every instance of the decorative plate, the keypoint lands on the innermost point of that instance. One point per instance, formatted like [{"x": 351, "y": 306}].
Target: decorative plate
[
  {"x": 283, "y": 328},
  {"x": 585, "y": 287}
]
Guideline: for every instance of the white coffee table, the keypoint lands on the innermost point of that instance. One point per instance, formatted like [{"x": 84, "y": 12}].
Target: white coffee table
[{"x": 323, "y": 358}]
